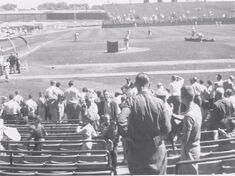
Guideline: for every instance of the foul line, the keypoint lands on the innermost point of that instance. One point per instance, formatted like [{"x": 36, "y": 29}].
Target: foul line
[
  {"x": 138, "y": 64},
  {"x": 97, "y": 75}
]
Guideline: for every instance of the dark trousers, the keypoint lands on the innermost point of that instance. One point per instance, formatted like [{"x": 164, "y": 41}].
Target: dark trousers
[
  {"x": 72, "y": 111},
  {"x": 145, "y": 159},
  {"x": 176, "y": 101}
]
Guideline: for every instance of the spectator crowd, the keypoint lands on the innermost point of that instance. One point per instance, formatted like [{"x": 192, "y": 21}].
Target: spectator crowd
[{"x": 144, "y": 116}]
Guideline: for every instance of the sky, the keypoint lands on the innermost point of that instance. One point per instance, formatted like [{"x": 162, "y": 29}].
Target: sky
[{"x": 34, "y": 3}]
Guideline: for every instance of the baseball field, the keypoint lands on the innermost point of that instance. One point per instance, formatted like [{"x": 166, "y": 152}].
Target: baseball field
[{"x": 57, "y": 56}]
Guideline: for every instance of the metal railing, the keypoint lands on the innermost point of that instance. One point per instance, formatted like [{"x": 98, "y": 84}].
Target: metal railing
[{"x": 180, "y": 163}]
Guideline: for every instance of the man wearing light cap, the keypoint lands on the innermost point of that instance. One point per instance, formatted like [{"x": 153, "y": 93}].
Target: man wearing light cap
[
  {"x": 228, "y": 84},
  {"x": 144, "y": 123},
  {"x": 191, "y": 131}
]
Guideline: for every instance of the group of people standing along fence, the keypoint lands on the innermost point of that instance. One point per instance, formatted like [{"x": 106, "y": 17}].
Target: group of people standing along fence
[{"x": 10, "y": 66}]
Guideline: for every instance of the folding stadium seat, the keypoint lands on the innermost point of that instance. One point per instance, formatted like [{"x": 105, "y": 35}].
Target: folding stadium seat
[
  {"x": 64, "y": 159},
  {"x": 92, "y": 166},
  {"x": 211, "y": 167},
  {"x": 36, "y": 159},
  {"x": 28, "y": 165},
  {"x": 53, "y": 147},
  {"x": 170, "y": 169},
  {"x": 209, "y": 148},
  {"x": 171, "y": 152},
  {"x": 228, "y": 166},
  {"x": 205, "y": 155},
  {"x": 71, "y": 146},
  {"x": 16, "y": 146},
  {"x": 4, "y": 173},
  {"x": 172, "y": 160},
  {"x": 17, "y": 158},
  {"x": 55, "y": 174},
  {"x": 94, "y": 173},
  {"x": 207, "y": 135},
  {"x": 227, "y": 146},
  {"x": 5, "y": 159},
  {"x": 61, "y": 165},
  {"x": 99, "y": 145},
  {"x": 223, "y": 153},
  {"x": 93, "y": 158}
]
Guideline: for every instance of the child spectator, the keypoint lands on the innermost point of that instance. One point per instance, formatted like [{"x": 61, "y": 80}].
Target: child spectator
[
  {"x": 109, "y": 131},
  {"x": 87, "y": 132},
  {"x": 37, "y": 132},
  {"x": 61, "y": 107}
]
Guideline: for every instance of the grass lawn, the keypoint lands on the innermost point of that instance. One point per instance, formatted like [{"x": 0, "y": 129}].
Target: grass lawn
[{"x": 166, "y": 44}]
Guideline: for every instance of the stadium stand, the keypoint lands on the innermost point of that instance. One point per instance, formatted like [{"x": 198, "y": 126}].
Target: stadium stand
[{"x": 169, "y": 13}]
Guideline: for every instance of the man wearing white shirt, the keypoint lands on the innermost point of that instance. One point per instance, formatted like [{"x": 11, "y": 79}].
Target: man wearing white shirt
[
  {"x": 11, "y": 110},
  {"x": 220, "y": 81},
  {"x": 32, "y": 107},
  {"x": 175, "y": 92},
  {"x": 18, "y": 98},
  {"x": 52, "y": 93},
  {"x": 197, "y": 89},
  {"x": 72, "y": 96}
]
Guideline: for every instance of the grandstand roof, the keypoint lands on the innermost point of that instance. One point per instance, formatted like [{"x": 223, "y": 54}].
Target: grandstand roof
[{"x": 51, "y": 11}]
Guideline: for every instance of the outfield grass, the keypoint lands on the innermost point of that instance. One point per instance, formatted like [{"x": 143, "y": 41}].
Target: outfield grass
[{"x": 166, "y": 44}]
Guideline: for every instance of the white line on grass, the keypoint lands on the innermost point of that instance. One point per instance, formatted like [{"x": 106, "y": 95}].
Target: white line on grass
[
  {"x": 138, "y": 64},
  {"x": 97, "y": 75}
]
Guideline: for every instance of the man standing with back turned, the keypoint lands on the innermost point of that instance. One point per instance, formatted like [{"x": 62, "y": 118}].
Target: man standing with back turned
[{"x": 145, "y": 123}]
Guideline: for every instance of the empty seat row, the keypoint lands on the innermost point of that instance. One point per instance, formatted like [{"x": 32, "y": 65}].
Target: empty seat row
[{"x": 42, "y": 159}]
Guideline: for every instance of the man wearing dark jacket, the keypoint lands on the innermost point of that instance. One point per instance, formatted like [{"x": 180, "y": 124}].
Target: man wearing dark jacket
[{"x": 145, "y": 123}]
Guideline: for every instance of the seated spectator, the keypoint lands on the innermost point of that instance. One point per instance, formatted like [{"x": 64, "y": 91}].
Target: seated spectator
[
  {"x": 109, "y": 131},
  {"x": 88, "y": 132},
  {"x": 37, "y": 132}
]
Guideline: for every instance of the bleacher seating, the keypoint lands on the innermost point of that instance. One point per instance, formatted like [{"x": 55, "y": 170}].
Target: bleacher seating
[
  {"x": 180, "y": 13},
  {"x": 64, "y": 153},
  {"x": 190, "y": 9}
]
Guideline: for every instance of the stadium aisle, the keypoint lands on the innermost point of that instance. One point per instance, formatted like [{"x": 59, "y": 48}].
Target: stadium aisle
[{"x": 121, "y": 169}]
